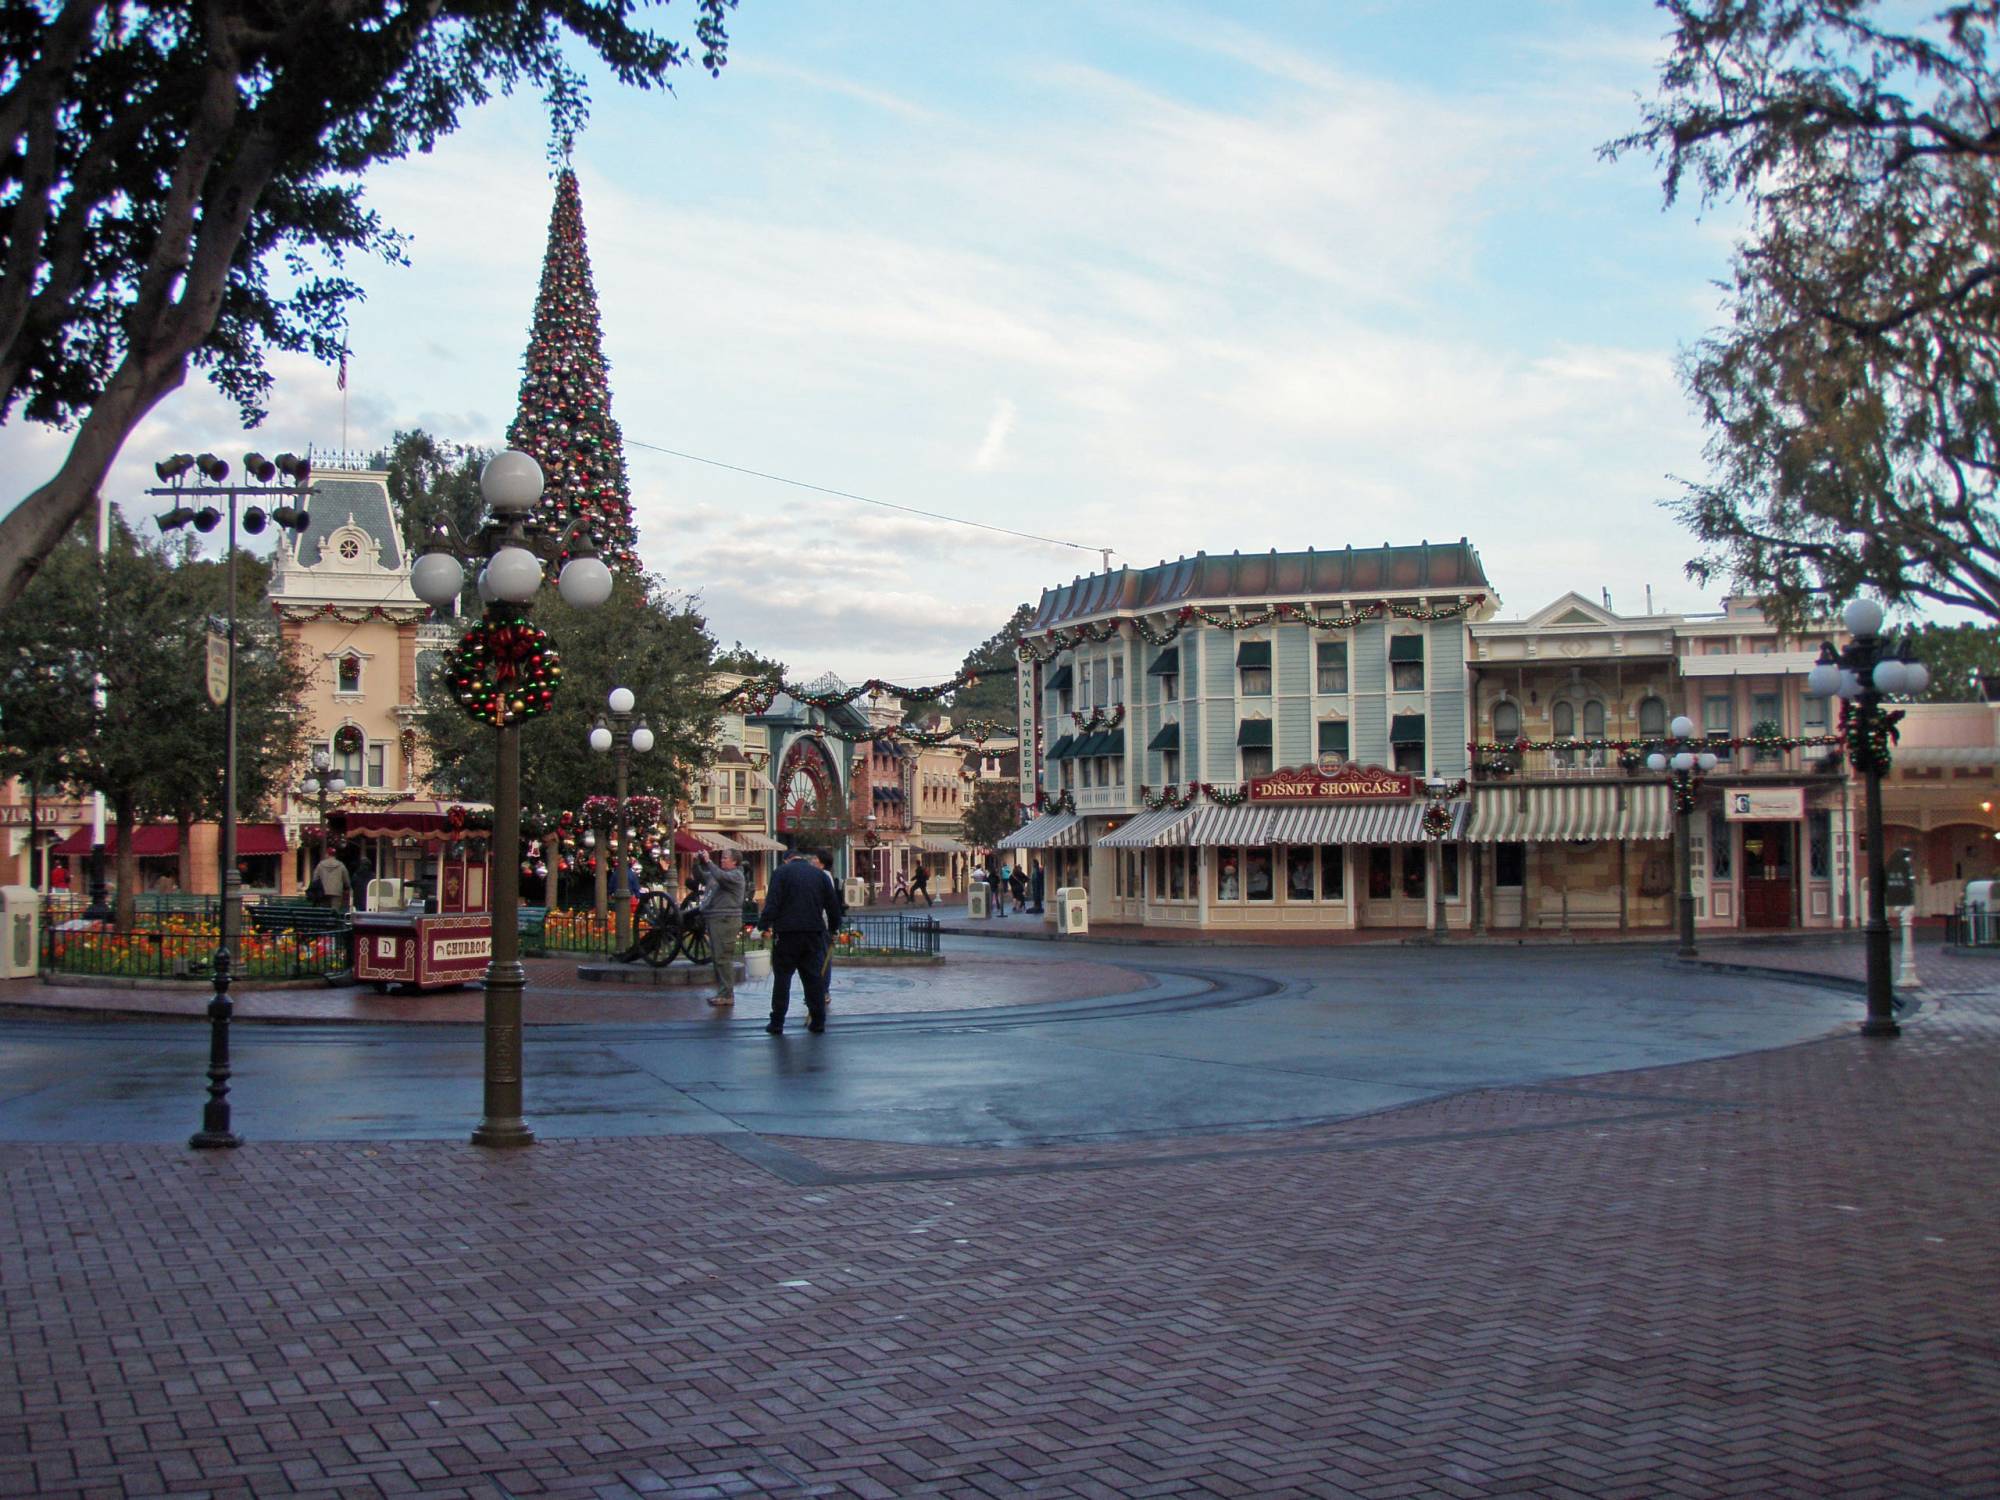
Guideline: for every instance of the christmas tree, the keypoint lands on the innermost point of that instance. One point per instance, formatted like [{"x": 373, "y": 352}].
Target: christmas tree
[{"x": 564, "y": 419}]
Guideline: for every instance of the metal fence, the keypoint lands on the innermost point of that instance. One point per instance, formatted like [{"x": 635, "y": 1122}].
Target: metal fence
[
  {"x": 182, "y": 953},
  {"x": 1972, "y": 927},
  {"x": 888, "y": 932}
]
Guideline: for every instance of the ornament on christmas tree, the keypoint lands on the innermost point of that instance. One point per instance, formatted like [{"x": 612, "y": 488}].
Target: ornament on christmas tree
[{"x": 505, "y": 669}]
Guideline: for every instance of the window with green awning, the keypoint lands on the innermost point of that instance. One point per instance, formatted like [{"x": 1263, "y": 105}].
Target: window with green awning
[
  {"x": 1406, "y": 729},
  {"x": 1333, "y": 739},
  {"x": 1253, "y": 654},
  {"x": 1166, "y": 664},
  {"x": 1256, "y": 734},
  {"x": 1406, "y": 648},
  {"x": 1169, "y": 738},
  {"x": 1062, "y": 747},
  {"x": 1058, "y": 680}
]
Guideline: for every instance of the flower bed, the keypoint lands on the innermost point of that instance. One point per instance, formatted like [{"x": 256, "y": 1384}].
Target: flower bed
[{"x": 180, "y": 948}]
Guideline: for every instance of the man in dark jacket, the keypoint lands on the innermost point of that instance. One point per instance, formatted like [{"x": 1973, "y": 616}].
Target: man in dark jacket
[{"x": 801, "y": 914}]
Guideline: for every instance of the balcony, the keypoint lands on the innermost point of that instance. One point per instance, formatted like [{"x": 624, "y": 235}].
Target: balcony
[{"x": 1582, "y": 764}]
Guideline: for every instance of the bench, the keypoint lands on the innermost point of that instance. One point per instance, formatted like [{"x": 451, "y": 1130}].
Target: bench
[
  {"x": 295, "y": 916},
  {"x": 532, "y": 924}
]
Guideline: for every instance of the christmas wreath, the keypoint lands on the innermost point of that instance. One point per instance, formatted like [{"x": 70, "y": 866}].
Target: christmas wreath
[
  {"x": 504, "y": 670},
  {"x": 347, "y": 740}
]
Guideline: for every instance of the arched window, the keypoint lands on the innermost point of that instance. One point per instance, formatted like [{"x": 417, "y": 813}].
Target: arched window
[
  {"x": 1506, "y": 722},
  {"x": 1563, "y": 720},
  {"x": 1593, "y": 721},
  {"x": 1652, "y": 719}
]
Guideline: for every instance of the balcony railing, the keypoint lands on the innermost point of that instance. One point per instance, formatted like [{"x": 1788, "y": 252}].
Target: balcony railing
[{"x": 1599, "y": 764}]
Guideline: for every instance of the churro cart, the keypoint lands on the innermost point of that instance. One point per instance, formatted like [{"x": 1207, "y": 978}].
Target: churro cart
[{"x": 442, "y": 936}]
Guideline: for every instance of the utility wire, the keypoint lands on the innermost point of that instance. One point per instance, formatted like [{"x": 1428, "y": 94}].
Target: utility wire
[{"x": 910, "y": 510}]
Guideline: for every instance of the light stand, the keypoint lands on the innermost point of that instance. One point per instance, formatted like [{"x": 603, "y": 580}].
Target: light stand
[
  {"x": 1687, "y": 765},
  {"x": 512, "y": 575},
  {"x": 1866, "y": 671},
  {"x": 290, "y": 514},
  {"x": 614, "y": 738}
]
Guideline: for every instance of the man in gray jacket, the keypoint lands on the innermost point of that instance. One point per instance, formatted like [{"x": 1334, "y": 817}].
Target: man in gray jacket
[{"x": 722, "y": 909}]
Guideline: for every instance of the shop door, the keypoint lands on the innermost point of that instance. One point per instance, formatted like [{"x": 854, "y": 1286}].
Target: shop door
[
  {"x": 1510, "y": 879},
  {"x": 1769, "y": 874},
  {"x": 1395, "y": 879}
]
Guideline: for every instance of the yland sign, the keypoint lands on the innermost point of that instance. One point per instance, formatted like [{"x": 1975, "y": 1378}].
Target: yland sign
[{"x": 1333, "y": 783}]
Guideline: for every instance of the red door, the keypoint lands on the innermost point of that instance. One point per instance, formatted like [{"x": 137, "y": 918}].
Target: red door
[{"x": 1769, "y": 874}]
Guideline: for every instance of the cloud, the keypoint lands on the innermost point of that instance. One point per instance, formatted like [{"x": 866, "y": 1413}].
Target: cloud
[{"x": 998, "y": 430}]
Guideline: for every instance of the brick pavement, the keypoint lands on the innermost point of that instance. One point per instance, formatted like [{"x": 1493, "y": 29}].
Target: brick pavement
[{"x": 1775, "y": 1274}]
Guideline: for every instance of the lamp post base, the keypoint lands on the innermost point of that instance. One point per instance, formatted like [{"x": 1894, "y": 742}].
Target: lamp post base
[
  {"x": 1876, "y": 1026},
  {"x": 503, "y": 1134}
]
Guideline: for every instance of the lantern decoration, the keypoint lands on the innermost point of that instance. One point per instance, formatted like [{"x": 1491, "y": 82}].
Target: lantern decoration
[{"x": 505, "y": 669}]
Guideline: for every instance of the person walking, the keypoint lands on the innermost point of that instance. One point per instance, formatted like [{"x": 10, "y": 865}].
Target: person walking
[
  {"x": 1001, "y": 888},
  {"x": 920, "y": 885},
  {"x": 801, "y": 914},
  {"x": 1018, "y": 885},
  {"x": 329, "y": 885},
  {"x": 721, "y": 909},
  {"x": 364, "y": 872}
]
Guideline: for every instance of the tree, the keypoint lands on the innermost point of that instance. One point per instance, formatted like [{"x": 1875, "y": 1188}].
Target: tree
[
  {"x": 156, "y": 743},
  {"x": 431, "y": 480},
  {"x": 749, "y": 662},
  {"x": 992, "y": 814},
  {"x": 564, "y": 417},
  {"x": 1962, "y": 659},
  {"x": 638, "y": 640},
  {"x": 1854, "y": 426},
  {"x": 160, "y": 159},
  {"x": 992, "y": 696}
]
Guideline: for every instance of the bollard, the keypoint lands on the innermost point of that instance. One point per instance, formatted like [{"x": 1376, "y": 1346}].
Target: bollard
[{"x": 1906, "y": 965}]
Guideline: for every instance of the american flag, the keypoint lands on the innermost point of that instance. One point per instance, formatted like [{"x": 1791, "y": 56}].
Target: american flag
[{"x": 341, "y": 383}]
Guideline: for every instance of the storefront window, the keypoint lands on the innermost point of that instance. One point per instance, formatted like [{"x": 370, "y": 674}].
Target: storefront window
[
  {"x": 1257, "y": 874},
  {"x": 1228, "y": 878},
  {"x": 1299, "y": 873},
  {"x": 1177, "y": 873},
  {"x": 1332, "y": 873},
  {"x": 1416, "y": 871},
  {"x": 1448, "y": 871},
  {"x": 1510, "y": 866},
  {"x": 1381, "y": 873},
  {"x": 1718, "y": 840},
  {"x": 1819, "y": 844}
]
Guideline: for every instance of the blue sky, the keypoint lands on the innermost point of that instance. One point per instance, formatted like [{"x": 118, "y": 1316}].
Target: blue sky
[{"x": 1151, "y": 277}]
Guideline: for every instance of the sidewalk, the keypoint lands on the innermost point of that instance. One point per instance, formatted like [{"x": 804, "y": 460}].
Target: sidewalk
[{"x": 1774, "y": 1274}]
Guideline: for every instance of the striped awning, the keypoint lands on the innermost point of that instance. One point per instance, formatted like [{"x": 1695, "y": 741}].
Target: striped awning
[
  {"x": 1552, "y": 814},
  {"x": 755, "y": 843},
  {"x": 1389, "y": 823},
  {"x": 1063, "y": 830},
  {"x": 1166, "y": 826},
  {"x": 937, "y": 843},
  {"x": 1216, "y": 827}
]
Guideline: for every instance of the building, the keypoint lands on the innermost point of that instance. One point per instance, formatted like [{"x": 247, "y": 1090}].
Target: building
[
  {"x": 1249, "y": 740},
  {"x": 731, "y": 807},
  {"x": 1940, "y": 800}
]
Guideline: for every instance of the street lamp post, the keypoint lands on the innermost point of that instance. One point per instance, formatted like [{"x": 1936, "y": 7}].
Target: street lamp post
[
  {"x": 1688, "y": 765},
  {"x": 1437, "y": 824},
  {"x": 323, "y": 786},
  {"x": 512, "y": 575},
  {"x": 289, "y": 512},
  {"x": 1868, "y": 670},
  {"x": 615, "y": 738}
]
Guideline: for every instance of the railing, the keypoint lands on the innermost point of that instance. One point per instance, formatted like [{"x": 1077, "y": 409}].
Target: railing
[
  {"x": 1972, "y": 927},
  {"x": 188, "y": 952},
  {"x": 580, "y": 930},
  {"x": 887, "y": 934},
  {"x": 1603, "y": 764}
]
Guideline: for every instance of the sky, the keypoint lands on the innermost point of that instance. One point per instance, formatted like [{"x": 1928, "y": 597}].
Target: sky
[{"x": 1151, "y": 277}]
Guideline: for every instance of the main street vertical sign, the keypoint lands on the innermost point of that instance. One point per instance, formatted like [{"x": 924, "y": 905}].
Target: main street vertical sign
[{"x": 218, "y": 669}]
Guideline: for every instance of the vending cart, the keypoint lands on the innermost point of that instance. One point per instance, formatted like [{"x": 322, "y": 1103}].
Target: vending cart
[{"x": 442, "y": 936}]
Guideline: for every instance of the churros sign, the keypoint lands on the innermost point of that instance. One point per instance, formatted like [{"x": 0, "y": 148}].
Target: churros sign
[{"x": 1336, "y": 784}]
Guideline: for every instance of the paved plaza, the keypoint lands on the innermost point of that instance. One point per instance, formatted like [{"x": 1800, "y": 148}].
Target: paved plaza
[{"x": 1379, "y": 1222}]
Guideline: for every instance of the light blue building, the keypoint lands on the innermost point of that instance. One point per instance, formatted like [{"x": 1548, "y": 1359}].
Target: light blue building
[{"x": 1157, "y": 704}]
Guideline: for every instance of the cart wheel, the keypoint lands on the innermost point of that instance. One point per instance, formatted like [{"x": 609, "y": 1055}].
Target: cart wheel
[
  {"x": 656, "y": 950},
  {"x": 696, "y": 946}
]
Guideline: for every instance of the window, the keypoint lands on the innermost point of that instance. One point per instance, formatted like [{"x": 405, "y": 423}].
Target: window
[
  {"x": 1813, "y": 716},
  {"x": 1170, "y": 766},
  {"x": 1333, "y": 739},
  {"x": 1083, "y": 684},
  {"x": 1332, "y": 873},
  {"x": 1089, "y": 771},
  {"x": 1118, "y": 679},
  {"x": 1332, "y": 656},
  {"x": 1228, "y": 877},
  {"x": 1406, "y": 743},
  {"x": 1416, "y": 871},
  {"x": 378, "y": 763},
  {"x": 1381, "y": 872},
  {"x": 1718, "y": 841},
  {"x": 1717, "y": 719},
  {"x": 1510, "y": 866},
  {"x": 1167, "y": 667},
  {"x": 1177, "y": 873},
  {"x": 742, "y": 786},
  {"x": 1299, "y": 862},
  {"x": 348, "y": 679},
  {"x": 1765, "y": 719},
  {"x": 1819, "y": 843},
  {"x": 1256, "y": 761},
  {"x": 1253, "y": 667},
  {"x": 1652, "y": 719},
  {"x": 348, "y": 766},
  {"x": 1257, "y": 874},
  {"x": 1506, "y": 722},
  {"x": 1562, "y": 719},
  {"x": 1170, "y": 687},
  {"x": 1593, "y": 721},
  {"x": 1114, "y": 771},
  {"x": 1406, "y": 663}
]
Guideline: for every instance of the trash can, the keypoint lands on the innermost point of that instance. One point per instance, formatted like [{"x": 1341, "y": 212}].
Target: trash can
[
  {"x": 20, "y": 931},
  {"x": 855, "y": 893},
  {"x": 979, "y": 900},
  {"x": 1072, "y": 910}
]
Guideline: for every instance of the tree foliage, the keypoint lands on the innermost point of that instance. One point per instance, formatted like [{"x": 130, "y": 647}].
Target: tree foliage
[
  {"x": 181, "y": 184},
  {"x": 992, "y": 696},
  {"x": 992, "y": 813},
  {"x": 140, "y": 619},
  {"x": 1854, "y": 435},
  {"x": 638, "y": 640},
  {"x": 1962, "y": 659}
]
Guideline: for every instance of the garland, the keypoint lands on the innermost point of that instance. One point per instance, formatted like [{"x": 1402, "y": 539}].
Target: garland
[
  {"x": 1869, "y": 734},
  {"x": 1750, "y": 742},
  {"x": 1223, "y": 798},
  {"x": 1065, "y": 801},
  {"x": 1098, "y": 719},
  {"x": 763, "y": 690},
  {"x": 1170, "y": 797},
  {"x": 606, "y": 814},
  {"x": 504, "y": 669},
  {"x": 1061, "y": 638}
]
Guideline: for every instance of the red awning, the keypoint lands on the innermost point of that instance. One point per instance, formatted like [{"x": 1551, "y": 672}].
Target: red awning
[
  {"x": 162, "y": 840},
  {"x": 689, "y": 842}
]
